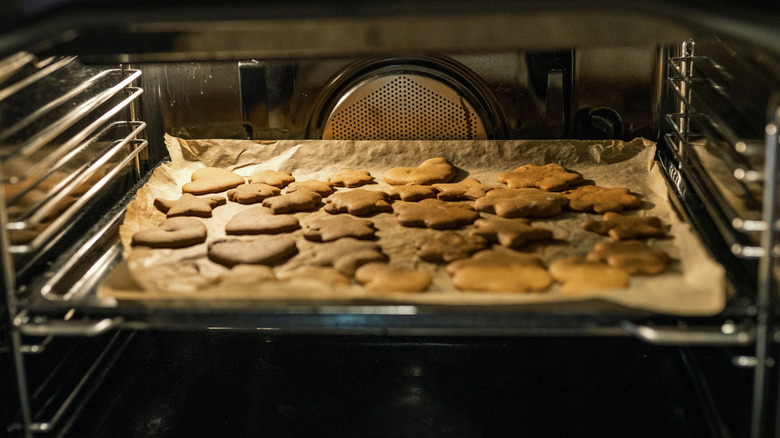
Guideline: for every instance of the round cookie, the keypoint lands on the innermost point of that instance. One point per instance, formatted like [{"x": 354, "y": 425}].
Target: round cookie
[
  {"x": 431, "y": 171},
  {"x": 327, "y": 229},
  {"x": 551, "y": 177},
  {"x": 212, "y": 180},
  {"x": 578, "y": 275},
  {"x": 447, "y": 246},
  {"x": 276, "y": 178},
  {"x": 469, "y": 188},
  {"x": 302, "y": 200},
  {"x": 384, "y": 277},
  {"x": 175, "y": 232},
  {"x": 602, "y": 199},
  {"x": 632, "y": 256},
  {"x": 512, "y": 233},
  {"x": 433, "y": 213},
  {"x": 262, "y": 250},
  {"x": 252, "y": 193},
  {"x": 511, "y": 203},
  {"x": 621, "y": 227},
  {"x": 322, "y": 188},
  {"x": 260, "y": 220},
  {"x": 351, "y": 178},
  {"x": 358, "y": 202}
]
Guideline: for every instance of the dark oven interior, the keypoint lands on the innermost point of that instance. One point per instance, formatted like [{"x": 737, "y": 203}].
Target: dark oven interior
[{"x": 89, "y": 91}]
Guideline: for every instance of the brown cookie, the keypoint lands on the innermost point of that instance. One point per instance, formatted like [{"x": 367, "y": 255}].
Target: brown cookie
[
  {"x": 212, "y": 180},
  {"x": 433, "y": 213},
  {"x": 274, "y": 178},
  {"x": 351, "y": 178},
  {"x": 358, "y": 202},
  {"x": 175, "y": 232},
  {"x": 320, "y": 187},
  {"x": 602, "y": 199},
  {"x": 494, "y": 271},
  {"x": 326, "y": 229},
  {"x": 302, "y": 200},
  {"x": 189, "y": 205},
  {"x": 384, "y": 277},
  {"x": 260, "y": 220},
  {"x": 252, "y": 193},
  {"x": 247, "y": 274},
  {"x": 178, "y": 277},
  {"x": 261, "y": 250},
  {"x": 447, "y": 246},
  {"x": 411, "y": 192},
  {"x": 578, "y": 275},
  {"x": 431, "y": 171},
  {"x": 522, "y": 203},
  {"x": 319, "y": 274},
  {"x": 632, "y": 256},
  {"x": 512, "y": 233},
  {"x": 620, "y": 227},
  {"x": 347, "y": 254},
  {"x": 469, "y": 188},
  {"x": 550, "y": 177}
]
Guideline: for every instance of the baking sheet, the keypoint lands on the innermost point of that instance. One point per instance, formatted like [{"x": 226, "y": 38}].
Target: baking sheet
[{"x": 694, "y": 284}]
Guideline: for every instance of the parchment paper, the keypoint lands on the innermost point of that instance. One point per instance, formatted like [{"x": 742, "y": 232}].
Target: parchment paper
[{"x": 694, "y": 285}]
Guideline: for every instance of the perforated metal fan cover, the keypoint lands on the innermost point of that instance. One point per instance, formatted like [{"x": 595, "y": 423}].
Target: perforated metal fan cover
[{"x": 403, "y": 107}]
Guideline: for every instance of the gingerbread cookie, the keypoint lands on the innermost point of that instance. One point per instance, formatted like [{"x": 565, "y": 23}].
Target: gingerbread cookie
[
  {"x": 384, "y": 277},
  {"x": 494, "y": 271},
  {"x": 431, "y": 171},
  {"x": 351, "y": 178},
  {"x": 175, "y": 232},
  {"x": 632, "y": 256},
  {"x": 262, "y": 250},
  {"x": 469, "y": 188},
  {"x": 302, "y": 200},
  {"x": 411, "y": 192},
  {"x": 578, "y": 275},
  {"x": 522, "y": 203},
  {"x": 512, "y": 233},
  {"x": 320, "y": 187},
  {"x": 212, "y": 180},
  {"x": 358, "y": 202},
  {"x": 247, "y": 275},
  {"x": 178, "y": 277},
  {"x": 189, "y": 205},
  {"x": 447, "y": 246},
  {"x": 260, "y": 220},
  {"x": 550, "y": 177},
  {"x": 620, "y": 227},
  {"x": 326, "y": 229},
  {"x": 276, "y": 178},
  {"x": 433, "y": 213},
  {"x": 319, "y": 274},
  {"x": 252, "y": 193},
  {"x": 602, "y": 199},
  {"x": 347, "y": 254}
]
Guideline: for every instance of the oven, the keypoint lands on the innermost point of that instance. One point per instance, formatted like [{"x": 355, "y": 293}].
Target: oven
[{"x": 92, "y": 96}]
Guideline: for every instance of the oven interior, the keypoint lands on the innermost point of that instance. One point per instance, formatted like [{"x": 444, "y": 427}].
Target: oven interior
[{"x": 87, "y": 97}]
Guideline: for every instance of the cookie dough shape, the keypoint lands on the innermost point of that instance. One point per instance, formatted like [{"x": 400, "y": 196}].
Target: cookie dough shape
[
  {"x": 175, "y": 232},
  {"x": 496, "y": 271},
  {"x": 469, "y": 188},
  {"x": 447, "y": 246},
  {"x": 622, "y": 227},
  {"x": 551, "y": 177},
  {"x": 351, "y": 178},
  {"x": 602, "y": 199},
  {"x": 327, "y": 229},
  {"x": 347, "y": 254},
  {"x": 384, "y": 277},
  {"x": 578, "y": 275},
  {"x": 260, "y": 220},
  {"x": 632, "y": 256},
  {"x": 262, "y": 250},
  {"x": 302, "y": 200},
  {"x": 512, "y": 233},
  {"x": 252, "y": 193},
  {"x": 358, "y": 202},
  {"x": 276, "y": 178},
  {"x": 411, "y": 192},
  {"x": 189, "y": 205},
  {"x": 510, "y": 203},
  {"x": 320, "y": 187},
  {"x": 319, "y": 274},
  {"x": 212, "y": 180},
  {"x": 433, "y": 213},
  {"x": 431, "y": 171}
]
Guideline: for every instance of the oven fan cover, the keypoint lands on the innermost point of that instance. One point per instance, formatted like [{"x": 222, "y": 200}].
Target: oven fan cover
[{"x": 408, "y": 103}]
